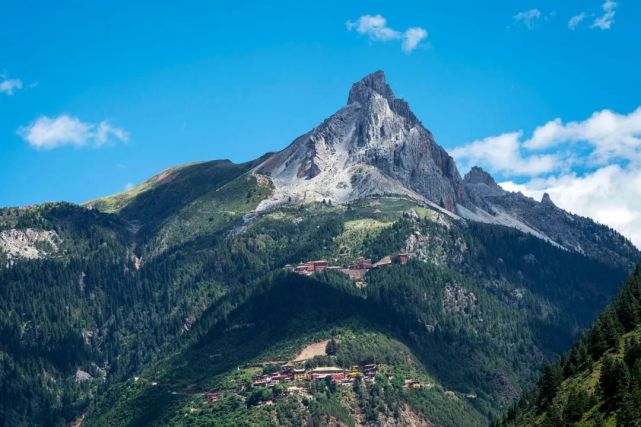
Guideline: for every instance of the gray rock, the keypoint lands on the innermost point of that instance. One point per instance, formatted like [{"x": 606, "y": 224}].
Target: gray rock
[{"x": 377, "y": 145}]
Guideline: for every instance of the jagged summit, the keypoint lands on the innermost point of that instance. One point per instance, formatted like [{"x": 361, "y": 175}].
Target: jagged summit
[
  {"x": 364, "y": 89},
  {"x": 373, "y": 146},
  {"x": 477, "y": 175},
  {"x": 547, "y": 200}
]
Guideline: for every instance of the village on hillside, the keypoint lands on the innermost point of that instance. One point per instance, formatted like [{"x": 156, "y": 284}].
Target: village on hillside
[
  {"x": 274, "y": 379},
  {"x": 356, "y": 270}
]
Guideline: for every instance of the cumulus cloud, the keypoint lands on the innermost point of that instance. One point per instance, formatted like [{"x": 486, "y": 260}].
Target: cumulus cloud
[
  {"x": 609, "y": 136},
  {"x": 48, "y": 133},
  {"x": 503, "y": 153},
  {"x": 375, "y": 27},
  {"x": 9, "y": 86},
  {"x": 605, "y": 21},
  {"x": 528, "y": 18},
  {"x": 591, "y": 167},
  {"x": 610, "y": 195},
  {"x": 412, "y": 38},
  {"x": 576, "y": 20}
]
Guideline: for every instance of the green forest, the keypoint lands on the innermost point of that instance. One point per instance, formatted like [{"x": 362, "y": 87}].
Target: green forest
[
  {"x": 598, "y": 382},
  {"x": 186, "y": 288}
]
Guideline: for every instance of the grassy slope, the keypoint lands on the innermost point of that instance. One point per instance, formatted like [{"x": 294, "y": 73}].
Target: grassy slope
[
  {"x": 196, "y": 197},
  {"x": 596, "y": 414}
]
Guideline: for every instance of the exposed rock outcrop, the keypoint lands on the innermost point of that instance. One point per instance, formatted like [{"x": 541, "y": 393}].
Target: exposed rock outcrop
[
  {"x": 376, "y": 146},
  {"x": 28, "y": 243},
  {"x": 373, "y": 146}
]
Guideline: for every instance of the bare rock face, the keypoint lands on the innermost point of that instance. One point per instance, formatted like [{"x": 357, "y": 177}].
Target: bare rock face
[
  {"x": 28, "y": 243},
  {"x": 547, "y": 200},
  {"x": 477, "y": 176},
  {"x": 544, "y": 219},
  {"x": 373, "y": 146}
]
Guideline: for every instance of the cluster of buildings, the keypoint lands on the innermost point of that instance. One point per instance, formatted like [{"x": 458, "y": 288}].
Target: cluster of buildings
[
  {"x": 298, "y": 380},
  {"x": 289, "y": 374},
  {"x": 355, "y": 270}
]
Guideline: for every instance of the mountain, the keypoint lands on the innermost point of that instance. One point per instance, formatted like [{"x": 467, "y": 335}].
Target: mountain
[
  {"x": 185, "y": 283},
  {"x": 374, "y": 145},
  {"x": 545, "y": 220},
  {"x": 599, "y": 381}
]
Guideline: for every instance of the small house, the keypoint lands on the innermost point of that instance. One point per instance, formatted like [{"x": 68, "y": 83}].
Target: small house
[
  {"x": 213, "y": 396},
  {"x": 402, "y": 259},
  {"x": 317, "y": 266},
  {"x": 337, "y": 374},
  {"x": 299, "y": 374}
]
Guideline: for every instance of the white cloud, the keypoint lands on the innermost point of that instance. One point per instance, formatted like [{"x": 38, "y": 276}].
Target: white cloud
[
  {"x": 528, "y": 18},
  {"x": 576, "y": 20},
  {"x": 610, "y": 195},
  {"x": 9, "y": 86},
  {"x": 412, "y": 38},
  {"x": 47, "y": 133},
  {"x": 375, "y": 27},
  {"x": 610, "y": 136},
  {"x": 129, "y": 186},
  {"x": 503, "y": 154},
  {"x": 605, "y": 21},
  {"x": 591, "y": 167}
]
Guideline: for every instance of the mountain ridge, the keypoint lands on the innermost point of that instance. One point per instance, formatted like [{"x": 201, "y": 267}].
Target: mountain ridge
[
  {"x": 130, "y": 282},
  {"x": 375, "y": 146}
]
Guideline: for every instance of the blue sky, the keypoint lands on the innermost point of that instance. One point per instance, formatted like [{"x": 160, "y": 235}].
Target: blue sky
[{"x": 145, "y": 86}]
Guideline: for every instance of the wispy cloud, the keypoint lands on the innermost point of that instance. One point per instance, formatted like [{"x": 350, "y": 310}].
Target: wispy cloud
[
  {"x": 605, "y": 21},
  {"x": 591, "y": 167},
  {"x": 576, "y": 20},
  {"x": 9, "y": 86},
  {"x": 528, "y": 18},
  {"x": 375, "y": 27},
  {"x": 48, "y": 133},
  {"x": 412, "y": 38}
]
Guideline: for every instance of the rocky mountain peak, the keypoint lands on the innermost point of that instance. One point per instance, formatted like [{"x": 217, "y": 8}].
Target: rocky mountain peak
[
  {"x": 547, "y": 200},
  {"x": 363, "y": 90},
  {"x": 373, "y": 146},
  {"x": 477, "y": 175},
  {"x": 367, "y": 91}
]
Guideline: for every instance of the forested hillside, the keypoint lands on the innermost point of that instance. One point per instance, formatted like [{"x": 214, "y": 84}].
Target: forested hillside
[
  {"x": 184, "y": 288},
  {"x": 599, "y": 381}
]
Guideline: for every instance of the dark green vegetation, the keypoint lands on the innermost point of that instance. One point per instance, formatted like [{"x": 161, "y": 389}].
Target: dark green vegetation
[
  {"x": 599, "y": 381},
  {"x": 282, "y": 312},
  {"x": 179, "y": 284}
]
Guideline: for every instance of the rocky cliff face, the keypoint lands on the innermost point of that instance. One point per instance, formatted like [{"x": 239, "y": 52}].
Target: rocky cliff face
[
  {"x": 545, "y": 220},
  {"x": 28, "y": 243},
  {"x": 374, "y": 145}
]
